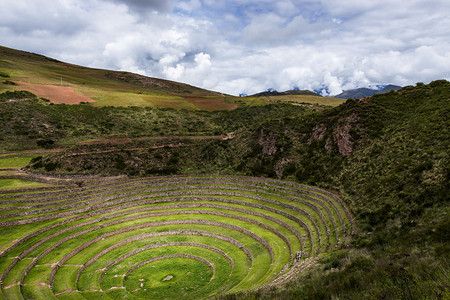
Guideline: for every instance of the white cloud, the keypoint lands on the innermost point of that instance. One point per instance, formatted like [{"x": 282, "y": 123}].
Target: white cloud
[
  {"x": 199, "y": 72},
  {"x": 189, "y": 5},
  {"x": 242, "y": 45}
]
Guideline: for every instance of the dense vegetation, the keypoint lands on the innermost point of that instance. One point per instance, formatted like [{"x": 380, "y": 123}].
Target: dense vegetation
[
  {"x": 397, "y": 182},
  {"x": 387, "y": 155},
  {"x": 26, "y": 122}
]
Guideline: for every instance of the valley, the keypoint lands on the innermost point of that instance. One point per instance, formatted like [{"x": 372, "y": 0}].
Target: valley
[{"x": 160, "y": 190}]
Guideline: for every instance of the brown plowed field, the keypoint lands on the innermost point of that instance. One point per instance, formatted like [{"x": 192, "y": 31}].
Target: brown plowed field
[{"x": 55, "y": 93}]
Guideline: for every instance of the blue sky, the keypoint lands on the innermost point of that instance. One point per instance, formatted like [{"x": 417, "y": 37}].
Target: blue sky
[{"x": 242, "y": 46}]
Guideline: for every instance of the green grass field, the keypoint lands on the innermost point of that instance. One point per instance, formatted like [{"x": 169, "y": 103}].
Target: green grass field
[
  {"x": 16, "y": 161},
  {"x": 12, "y": 184}
]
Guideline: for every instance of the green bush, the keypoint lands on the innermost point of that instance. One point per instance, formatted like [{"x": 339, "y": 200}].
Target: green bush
[
  {"x": 45, "y": 143},
  {"x": 17, "y": 95},
  {"x": 9, "y": 82}
]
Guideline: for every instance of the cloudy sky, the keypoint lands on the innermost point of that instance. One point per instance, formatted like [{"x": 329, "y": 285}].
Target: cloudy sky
[{"x": 242, "y": 46}]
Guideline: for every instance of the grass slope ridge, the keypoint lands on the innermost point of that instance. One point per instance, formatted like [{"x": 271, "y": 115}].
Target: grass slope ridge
[
  {"x": 67, "y": 83},
  {"x": 391, "y": 162}
]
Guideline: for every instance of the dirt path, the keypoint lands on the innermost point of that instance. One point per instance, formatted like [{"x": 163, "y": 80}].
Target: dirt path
[
  {"x": 223, "y": 137},
  {"x": 126, "y": 149},
  {"x": 159, "y": 138}
]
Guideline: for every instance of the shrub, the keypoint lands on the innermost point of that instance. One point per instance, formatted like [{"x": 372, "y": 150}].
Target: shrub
[
  {"x": 9, "y": 82},
  {"x": 46, "y": 143},
  {"x": 17, "y": 95}
]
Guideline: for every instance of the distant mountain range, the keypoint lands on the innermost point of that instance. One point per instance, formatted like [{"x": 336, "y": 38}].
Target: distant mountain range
[
  {"x": 355, "y": 94},
  {"x": 290, "y": 92},
  {"x": 366, "y": 92}
]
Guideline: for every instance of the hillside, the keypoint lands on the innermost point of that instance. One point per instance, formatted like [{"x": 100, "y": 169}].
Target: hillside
[
  {"x": 290, "y": 92},
  {"x": 387, "y": 155},
  {"x": 66, "y": 83},
  {"x": 348, "y": 200}
]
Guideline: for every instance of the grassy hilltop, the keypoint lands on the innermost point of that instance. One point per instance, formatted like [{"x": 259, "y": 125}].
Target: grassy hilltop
[
  {"x": 66, "y": 83},
  {"x": 375, "y": 226},
  {"x": 71, "y": 84}
]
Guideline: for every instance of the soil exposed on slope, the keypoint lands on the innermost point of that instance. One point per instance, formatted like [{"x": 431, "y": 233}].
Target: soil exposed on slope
[{"x": 56, "y": 94}]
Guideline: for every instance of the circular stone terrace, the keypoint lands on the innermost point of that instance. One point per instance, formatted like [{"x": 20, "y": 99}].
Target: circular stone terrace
[{"x": 186, "y": 236}]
